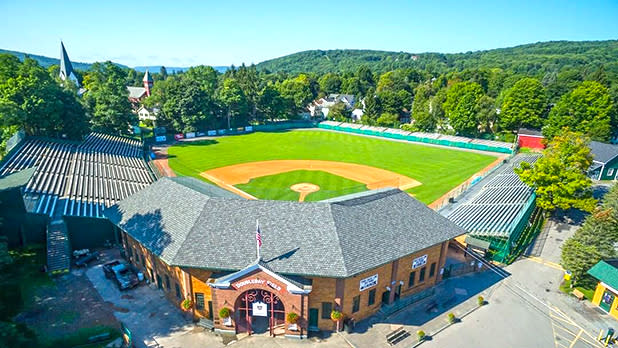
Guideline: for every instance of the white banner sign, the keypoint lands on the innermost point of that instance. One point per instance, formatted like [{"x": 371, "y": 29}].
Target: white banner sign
[
  {"x": 212, "y": 132},
  {"x": 190, "y": 135},
  {"x": 419, "y": 262},
  {"x": 249, "y": 129},
  {"x": 368, "y": 282},
  {"x": 260, "y": 309}
]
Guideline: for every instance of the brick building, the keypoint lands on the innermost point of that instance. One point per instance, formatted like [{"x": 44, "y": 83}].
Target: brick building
[{"x": 353, "y": 253}]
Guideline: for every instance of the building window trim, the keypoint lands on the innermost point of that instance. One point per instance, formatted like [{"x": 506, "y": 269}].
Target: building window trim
[
  {"x": 327, "y": 307},
  {"x": 356, "y": 303}
]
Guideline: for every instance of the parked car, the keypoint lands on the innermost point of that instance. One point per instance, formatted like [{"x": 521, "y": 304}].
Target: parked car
[
  {"x": 85, "y": 259},
  {"x": 122, "y": 273}
]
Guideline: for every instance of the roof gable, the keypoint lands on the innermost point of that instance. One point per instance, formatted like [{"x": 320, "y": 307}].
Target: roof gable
[
  {"x": 602, "y": 152},
  {"x": 606, "y": 271}
]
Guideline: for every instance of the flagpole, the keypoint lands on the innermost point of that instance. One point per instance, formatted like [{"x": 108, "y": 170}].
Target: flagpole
[{"x": 257, "y": 244}]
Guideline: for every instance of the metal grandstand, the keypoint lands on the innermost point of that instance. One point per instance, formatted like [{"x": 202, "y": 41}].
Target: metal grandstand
[
  {"x": 80, "y": 179},
  {"x": 421, "y": 137},
  {"x": 77, "y": 179},
  {"x": 499, "y": 212}
]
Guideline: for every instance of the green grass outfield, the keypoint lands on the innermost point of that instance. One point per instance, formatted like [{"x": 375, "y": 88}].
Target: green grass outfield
[
  {"x": 277, "y": 186},
  {"x": 438, "y": 169}
]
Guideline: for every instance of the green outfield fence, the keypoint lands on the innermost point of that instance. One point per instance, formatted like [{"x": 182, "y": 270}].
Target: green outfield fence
[{"x": 428, "y": 138}]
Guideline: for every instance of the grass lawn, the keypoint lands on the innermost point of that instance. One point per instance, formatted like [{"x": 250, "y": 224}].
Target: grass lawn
[
  {"x": 587, "y": 291},
  {"x": 277, "y": 186},
  {"x": 438, "y": 169}
]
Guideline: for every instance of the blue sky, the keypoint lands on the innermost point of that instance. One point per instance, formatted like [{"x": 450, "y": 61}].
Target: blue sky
[{"x": 184, "y": 33}]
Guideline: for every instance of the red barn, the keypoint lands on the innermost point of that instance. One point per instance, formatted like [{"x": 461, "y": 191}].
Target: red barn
[{"x": 530, "y": 138}]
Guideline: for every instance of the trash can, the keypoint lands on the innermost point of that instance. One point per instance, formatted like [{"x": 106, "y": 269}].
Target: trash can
[{"x": 350, "y": 325}]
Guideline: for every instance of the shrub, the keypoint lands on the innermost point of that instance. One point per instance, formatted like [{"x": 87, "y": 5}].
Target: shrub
[
  {"x": 292, "y": 318},
  {"x": 481, "y": 300},
  {"x": 224, "y": 312},
  {"x": 451, "y": 318},
  {"x": 336, "y": 315},
  {"x": 420, "y": 334},
  {"x": 186, "y": 304}
]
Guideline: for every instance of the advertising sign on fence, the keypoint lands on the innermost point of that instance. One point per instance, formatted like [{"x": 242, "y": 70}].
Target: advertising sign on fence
[
  {"x": 160, "y": 138},
  {"x": 179, "y": 136},
  {"x": 212, "y": 133},
  {"x": 249, "y": 129},
  {"x": 190, "y": 135},
  {"x": 200, "y": 134},
  {"x": 221, "y": 131}
]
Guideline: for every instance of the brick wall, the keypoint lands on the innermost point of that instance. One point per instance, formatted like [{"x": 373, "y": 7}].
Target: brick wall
[{"x": 153, "y": 266}]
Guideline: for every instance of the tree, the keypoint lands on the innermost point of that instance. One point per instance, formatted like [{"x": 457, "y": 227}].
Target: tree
[
  {"x": 462, "y": 107},
  {"x": 594, "y": 241},
  {"x": 559, "y": 176},
  {"x": 373, "y": 108},
  {"x": 587, "y": 109},
  {"x": 163, "y": 73},
  {"x": 524, "y": 105},
  {"x": 297, "y": 92},
  {"x": 107, "y": 99},
  {"x": 270, "y": 104},
  {"x": 330, "y": 83},
  {"x": 235, "y": 101},
  {"x": 339, "y": 112},
  {"x": 388, "y": 120},
  {"x": 422, "y": 114}
]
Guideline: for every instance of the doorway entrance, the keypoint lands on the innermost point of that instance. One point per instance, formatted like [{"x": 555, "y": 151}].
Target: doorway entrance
[
  {"x": 259, "y": 311},
  {"x": 607, "y": 300}
]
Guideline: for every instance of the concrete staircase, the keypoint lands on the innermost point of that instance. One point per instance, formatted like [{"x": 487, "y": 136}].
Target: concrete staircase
[{"x": 58, "y": 247}]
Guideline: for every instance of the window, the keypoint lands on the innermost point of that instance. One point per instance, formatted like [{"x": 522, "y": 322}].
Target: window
[
  {"x": 143, "y": 260},
  {"x": 432, "y": 270},
  {"x": 130, "y": 252},
  {"x": 421, "y": 276},
  {"x": 167, "y": 282},
  {"x": 610, "y": 172},
  {"x": 327, "y": 307},
  {"x": 136, "y": 258},
  {"x": 411, "y": 280},
  {"x": 199, "y": 301},
  {"x": 178, "y": 295},
  {"x": 355, "y": 304},
  {"x": 372, "y": 297}
]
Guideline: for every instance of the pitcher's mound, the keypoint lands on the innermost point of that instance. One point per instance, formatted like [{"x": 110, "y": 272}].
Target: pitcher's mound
[{"x": 304, "y": 188}]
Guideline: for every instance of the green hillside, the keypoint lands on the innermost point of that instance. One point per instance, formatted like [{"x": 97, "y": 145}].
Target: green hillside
[
  {"x": 48, "y": 61},
  {"x": 530, "y": 58}
]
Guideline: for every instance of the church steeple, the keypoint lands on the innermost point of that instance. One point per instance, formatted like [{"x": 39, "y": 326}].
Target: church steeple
[
  {"x": 66, "y": 68},
  {"x": 147, "y": 82}
]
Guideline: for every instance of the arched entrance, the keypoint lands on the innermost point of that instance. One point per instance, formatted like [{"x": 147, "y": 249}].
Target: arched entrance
[{"x": 259, "y": 311}]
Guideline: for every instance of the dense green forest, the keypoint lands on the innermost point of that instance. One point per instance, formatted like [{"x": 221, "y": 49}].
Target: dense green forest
[
  {"x": 488, "y": 94},
  {"x": 530, "y": 59}
]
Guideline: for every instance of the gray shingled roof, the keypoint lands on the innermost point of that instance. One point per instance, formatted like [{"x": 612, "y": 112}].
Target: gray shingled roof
[
  {"x": 136, "y": 92},
  {"x": 337, "y": 238},
  {"x": 602, "y": 152}
]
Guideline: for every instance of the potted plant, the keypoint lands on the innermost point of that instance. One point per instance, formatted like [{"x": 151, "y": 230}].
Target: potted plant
[
  {"x": 421, "y": 335},
  {"x": 292, "y": 319},
  {"x": 481, "y": 301},
  {"x": 224, "y": 313},
  {"x": 336, "y": 316},
  {"x": 451, "y": 318},
  {"x": 186, "y": 304}
]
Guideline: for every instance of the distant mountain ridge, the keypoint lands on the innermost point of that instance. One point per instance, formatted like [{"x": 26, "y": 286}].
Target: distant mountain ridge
[
  {"x": 540, "y": 55},
  {"x": 48, "y": 61}
]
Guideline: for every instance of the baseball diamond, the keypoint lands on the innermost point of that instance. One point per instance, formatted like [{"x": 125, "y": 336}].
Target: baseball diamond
[{"x": 426, "y": 172}]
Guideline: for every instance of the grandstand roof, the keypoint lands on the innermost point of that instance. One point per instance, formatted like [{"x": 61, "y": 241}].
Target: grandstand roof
[
  {"x": 336, "y": 238},
  {"x": 79, "y": 178},
  {"x": 17, "y": 179},
  {"x": 496, "y": 208}
]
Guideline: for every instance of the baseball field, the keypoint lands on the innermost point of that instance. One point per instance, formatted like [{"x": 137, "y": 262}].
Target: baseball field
[{"x": 328, "y": 164}]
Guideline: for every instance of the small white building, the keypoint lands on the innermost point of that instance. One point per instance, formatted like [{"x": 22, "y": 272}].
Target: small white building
[{"x": 145, "y": 114}]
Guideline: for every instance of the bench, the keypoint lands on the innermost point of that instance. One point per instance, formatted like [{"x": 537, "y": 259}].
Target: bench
[
  {"x": 397, "y": 336},
  {"x": 580, "y": 295},
  {"x": 206, "y": 324}
]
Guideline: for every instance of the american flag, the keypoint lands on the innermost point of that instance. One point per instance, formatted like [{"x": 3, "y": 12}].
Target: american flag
[{"x": 258, "y": 235}]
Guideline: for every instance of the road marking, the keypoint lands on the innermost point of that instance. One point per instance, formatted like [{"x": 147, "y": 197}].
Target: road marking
[
  {"x": 576, "y": 338},
  {"x": 545, "y": 262}
]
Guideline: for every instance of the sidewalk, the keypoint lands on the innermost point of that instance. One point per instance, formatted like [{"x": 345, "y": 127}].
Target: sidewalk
[{"x": 456, "y": 295}]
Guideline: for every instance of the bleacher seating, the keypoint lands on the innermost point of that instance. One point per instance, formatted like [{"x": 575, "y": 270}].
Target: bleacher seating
[{"x": 81, "y": 179}]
